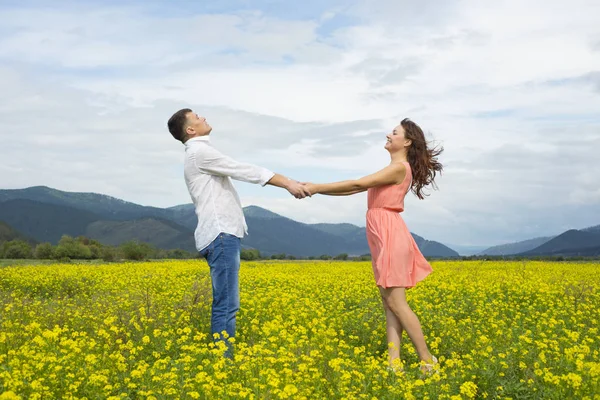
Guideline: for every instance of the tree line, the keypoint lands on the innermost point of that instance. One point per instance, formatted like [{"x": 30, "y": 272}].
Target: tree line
[{"x": 83, "y": 248}]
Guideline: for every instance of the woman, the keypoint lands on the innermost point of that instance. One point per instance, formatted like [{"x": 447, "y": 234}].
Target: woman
[{"x": 397, "y": 261}]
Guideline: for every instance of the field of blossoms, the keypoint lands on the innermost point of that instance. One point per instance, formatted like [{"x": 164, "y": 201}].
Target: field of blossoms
[{"x": 312, "y": 330}]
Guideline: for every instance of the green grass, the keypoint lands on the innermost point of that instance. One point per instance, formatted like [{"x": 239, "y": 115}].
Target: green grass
[{"x": 10, "y": 263}]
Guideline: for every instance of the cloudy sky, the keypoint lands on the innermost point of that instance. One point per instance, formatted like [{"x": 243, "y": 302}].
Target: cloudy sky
[{"x": 510, "y": 89}]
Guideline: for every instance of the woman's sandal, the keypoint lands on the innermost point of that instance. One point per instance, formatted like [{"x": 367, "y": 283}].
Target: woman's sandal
[
  {"x": 396, "y": 367},
  {"x": 429, "y": 368},
  {"x": 395, "y": 370}
]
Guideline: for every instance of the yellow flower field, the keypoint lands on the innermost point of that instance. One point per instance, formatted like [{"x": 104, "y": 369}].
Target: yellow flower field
[{"x": 312, "y": 330}]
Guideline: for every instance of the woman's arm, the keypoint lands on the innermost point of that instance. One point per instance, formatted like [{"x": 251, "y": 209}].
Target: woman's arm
[
  {"x": 392, "y": 174},
  {"x": 349, "y": 193}
]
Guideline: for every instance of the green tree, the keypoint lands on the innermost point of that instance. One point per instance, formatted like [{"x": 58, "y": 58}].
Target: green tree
[
  {"x": 134, "y": 250},
  {"x": 250, "y": 254},
  {"x": 178, "y": 254},
  {"x": 342, "y": 256},
  {"x": 44, "y": 251},
  {"x": 96, "y": 251},
  {"x": 108, "y": 254},
  {"x": 83, "y": 240},
  {"x": 17, "y": 249},
  {"x": 69, "y": 248},
  {"x": 66, "y": 240}
]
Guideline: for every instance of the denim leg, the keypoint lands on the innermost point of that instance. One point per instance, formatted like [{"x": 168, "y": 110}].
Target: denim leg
[
  {"x": 232, "y": 246},
  {"x": 223, "y": 257}
]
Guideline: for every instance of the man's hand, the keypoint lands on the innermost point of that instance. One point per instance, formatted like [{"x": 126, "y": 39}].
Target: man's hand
[{"x": 297, "y": 189}]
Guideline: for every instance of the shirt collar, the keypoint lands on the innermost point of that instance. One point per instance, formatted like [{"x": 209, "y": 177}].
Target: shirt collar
[{"x": 204, "y": 138}]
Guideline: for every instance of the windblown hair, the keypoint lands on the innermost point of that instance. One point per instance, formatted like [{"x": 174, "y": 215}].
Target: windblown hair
[{"x": 422, "y": 158}]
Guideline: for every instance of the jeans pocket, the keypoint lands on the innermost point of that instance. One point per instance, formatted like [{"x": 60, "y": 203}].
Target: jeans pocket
[{"x": 205, "y": 252}]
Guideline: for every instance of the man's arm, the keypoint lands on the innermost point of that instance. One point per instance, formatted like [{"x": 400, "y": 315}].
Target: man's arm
[{"x": 213, "y": 162}]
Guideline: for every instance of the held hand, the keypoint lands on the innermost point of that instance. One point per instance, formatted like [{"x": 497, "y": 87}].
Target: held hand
[
  {"x": 298, "y": 190},
  {"x": 311, "y": 187}
]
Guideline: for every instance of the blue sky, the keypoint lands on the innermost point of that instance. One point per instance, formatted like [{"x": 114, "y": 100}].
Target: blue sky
[{"x": 510, "y": 89}]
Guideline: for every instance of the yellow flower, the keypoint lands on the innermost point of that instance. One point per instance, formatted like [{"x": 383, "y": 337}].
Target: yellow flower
[
  {"x": 10, "y": 395},
  {"x": 469, "y": 389}
]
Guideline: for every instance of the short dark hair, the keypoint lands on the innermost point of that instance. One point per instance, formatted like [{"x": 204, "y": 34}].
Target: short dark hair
[{"x": 177, "y": 123}]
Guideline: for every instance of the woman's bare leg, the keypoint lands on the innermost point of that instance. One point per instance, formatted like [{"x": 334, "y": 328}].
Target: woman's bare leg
[
  {"x": 395, "y": 299},
  {"x": 394, "y": 334}
]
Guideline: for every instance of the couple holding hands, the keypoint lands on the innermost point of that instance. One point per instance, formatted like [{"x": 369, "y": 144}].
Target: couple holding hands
[{"x": 397, "y": 261}]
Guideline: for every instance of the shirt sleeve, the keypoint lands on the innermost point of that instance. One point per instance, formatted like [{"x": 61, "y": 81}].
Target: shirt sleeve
[{"x": 210, "y": 161}]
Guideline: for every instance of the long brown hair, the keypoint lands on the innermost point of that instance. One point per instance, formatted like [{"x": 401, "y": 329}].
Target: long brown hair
[{"x": 422, "y": 158}]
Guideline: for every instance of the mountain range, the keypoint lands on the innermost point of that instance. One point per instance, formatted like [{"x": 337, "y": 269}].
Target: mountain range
[
  {"x": 45, "y": 214},
  {"x": 7, "y": 233},
  {"x": 573, "y": 242}
]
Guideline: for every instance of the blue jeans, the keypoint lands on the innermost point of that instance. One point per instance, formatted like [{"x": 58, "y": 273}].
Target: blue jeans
[{"x": 223, "y": 257}]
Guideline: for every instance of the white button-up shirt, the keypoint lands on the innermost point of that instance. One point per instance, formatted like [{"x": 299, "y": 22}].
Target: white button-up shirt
[{"x": 207, "y": 176}]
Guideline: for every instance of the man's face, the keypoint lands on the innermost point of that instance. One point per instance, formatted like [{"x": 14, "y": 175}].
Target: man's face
[{"x": 196, "y": 125}]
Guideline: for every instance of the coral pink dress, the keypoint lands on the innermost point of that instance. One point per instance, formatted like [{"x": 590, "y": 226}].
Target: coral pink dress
[{"x": 396, "y": 259}]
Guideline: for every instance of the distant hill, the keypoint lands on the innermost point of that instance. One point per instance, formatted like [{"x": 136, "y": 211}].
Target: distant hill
[
  {"x": 347, "y": 230},
  {"x": 260, "y": 213},
  {"x": 184, "y": 215},
  {"x": 272, "y": 233},
  {"x": 163, "y": 234},
  {"x": 592, "y": 229},
  {"x": 357, "y": 237},
  {"x": 8, "y": 233},
  {"x": 105, "y": 207},
  {"x": 46, "y": 214},
  {"x": 570, "y": 243},
  {"x": 45, "y": 222},
  {"x": 354, "y": 236},
  {"x": 516, "y": 247},
  {"x": 430, "y": 248},
  {"x": 49, "y": 222}
]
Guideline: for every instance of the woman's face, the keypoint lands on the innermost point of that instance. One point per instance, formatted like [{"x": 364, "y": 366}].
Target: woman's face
[{"x": 396, "y": 140}]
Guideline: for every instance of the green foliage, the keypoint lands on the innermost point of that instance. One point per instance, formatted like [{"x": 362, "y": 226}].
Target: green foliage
[
  {"x": 280, "y": 256},
  {"x": 44, "y": 251},
  {"x": 96, "y": 251},
  {"x": 134, "y": 250},
  {"x": 72, "y": 249},
  {"x": 342, "y": 256},
  {"x": 16, "y": 249},
  {"x": 249, "y": 254},
  {"x": 178, "y": 254},
  {"x": 108, "y": 254}
]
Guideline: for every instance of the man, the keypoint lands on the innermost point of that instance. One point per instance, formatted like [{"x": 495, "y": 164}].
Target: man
[{"x": 221, "y": 222}]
